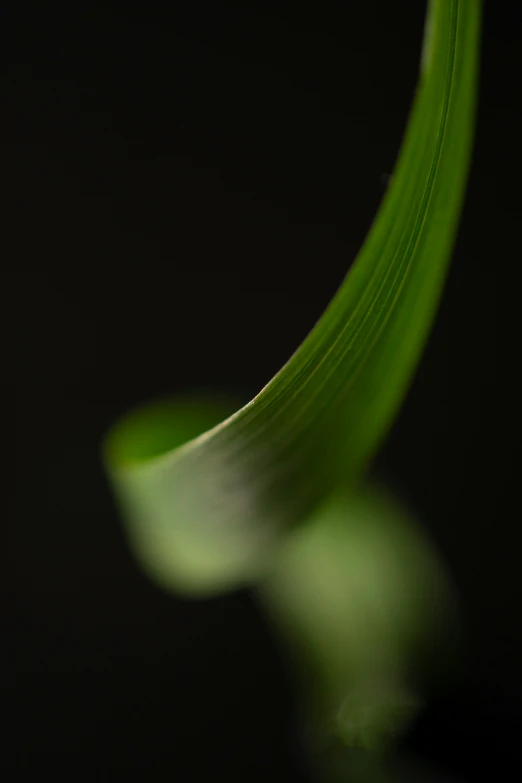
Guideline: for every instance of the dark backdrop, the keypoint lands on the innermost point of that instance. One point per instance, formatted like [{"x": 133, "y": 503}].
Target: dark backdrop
[{"x": 187, "y": 184}]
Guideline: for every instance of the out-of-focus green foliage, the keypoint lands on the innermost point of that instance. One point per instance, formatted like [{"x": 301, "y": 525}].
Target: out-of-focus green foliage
[{"x": 365, "y": 609}]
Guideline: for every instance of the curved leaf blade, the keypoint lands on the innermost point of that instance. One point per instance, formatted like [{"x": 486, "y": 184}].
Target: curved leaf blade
[{"x": 206, "y": 513}]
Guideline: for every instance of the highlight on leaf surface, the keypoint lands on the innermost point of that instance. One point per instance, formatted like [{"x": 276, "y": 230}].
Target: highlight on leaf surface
[{"x": 207, "y": 508}]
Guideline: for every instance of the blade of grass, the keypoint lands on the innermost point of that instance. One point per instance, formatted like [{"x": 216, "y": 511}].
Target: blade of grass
[{"x": 204, "y": 514}]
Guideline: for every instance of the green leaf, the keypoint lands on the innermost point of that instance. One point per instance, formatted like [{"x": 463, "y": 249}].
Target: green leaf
[{"x": 205, "y": 508}]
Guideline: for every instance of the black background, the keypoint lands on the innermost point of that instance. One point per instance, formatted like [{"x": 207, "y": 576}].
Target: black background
[{"x": 187, "y": 184}]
